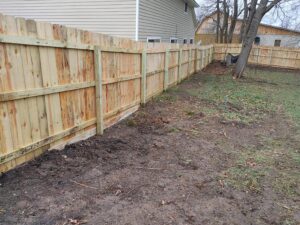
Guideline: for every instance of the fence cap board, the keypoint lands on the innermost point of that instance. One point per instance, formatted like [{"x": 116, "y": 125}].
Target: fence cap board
[{"x": 69, "y": 95}]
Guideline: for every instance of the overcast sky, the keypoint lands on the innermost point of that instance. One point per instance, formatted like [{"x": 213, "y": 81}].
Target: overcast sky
[{"x": 275, "y": 19}]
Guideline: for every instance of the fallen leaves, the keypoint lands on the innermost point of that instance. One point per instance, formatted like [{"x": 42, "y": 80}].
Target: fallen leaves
[{"x": 75, "y": 222}]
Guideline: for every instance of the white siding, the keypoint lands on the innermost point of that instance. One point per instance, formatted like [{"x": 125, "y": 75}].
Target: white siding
[
  {"x": 165, "y": 19},
  {"x": 112, "y": 17},
  {"x": 286, "y": 40}
]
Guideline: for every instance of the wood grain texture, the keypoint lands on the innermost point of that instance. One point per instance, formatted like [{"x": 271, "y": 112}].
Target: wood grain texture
[
  {"x": 278, "y": 57},
  {"x": 59, "y": 85}
]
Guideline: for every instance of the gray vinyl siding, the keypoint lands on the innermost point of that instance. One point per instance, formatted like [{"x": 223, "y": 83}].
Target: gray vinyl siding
[
  {"x": 165, "y": 19},
  {"x": 112, "y": 17}
]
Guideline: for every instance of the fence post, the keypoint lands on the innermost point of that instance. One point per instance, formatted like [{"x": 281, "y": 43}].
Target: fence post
[
  {"x": 166, "y": 77},
  {"x": 196, "y": 61},
  {"x": 189, "y": 65},
  {"x": 210, "y": 54},
  {"x": 144, "y": 78},
  {"x": 179, "y": 65},
  {"x": 271, "y": 56},
  {"x": 99, "y": 98},
  {"x": 202, "y": 59}
]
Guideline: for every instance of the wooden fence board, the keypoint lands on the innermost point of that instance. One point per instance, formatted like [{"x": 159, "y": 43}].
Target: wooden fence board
[
  {"x": 59, "y": 85},
  {"x": 262, "y": 55}
]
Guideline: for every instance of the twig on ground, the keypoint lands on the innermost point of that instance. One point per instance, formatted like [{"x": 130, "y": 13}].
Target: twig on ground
[
  {"x": 148, "y": 168},
  {"x": 284, "y": 206},
  {"x": 130, "y": 191},
  {"x": 189, "y": 130},
  {"x": 83, "y": 185},
  {"x": 187, "y": 198}
]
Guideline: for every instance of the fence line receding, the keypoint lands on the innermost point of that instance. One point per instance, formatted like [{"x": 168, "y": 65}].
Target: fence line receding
[
  {"x": 280, "y": 57},
  {"x": 59, "y": 85}
]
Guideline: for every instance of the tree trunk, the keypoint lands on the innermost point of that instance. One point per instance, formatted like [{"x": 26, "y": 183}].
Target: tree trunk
[
  {"x": 255, "y": 16},
  {"x": 224, "y": 29},
  {"x": 241, "y": 38},
  {"x": 248, "y": 22},
  {"x": 218, "y": 21},
  {"x": 247, "y": 43},
  {"x": 233, "y": 21}
]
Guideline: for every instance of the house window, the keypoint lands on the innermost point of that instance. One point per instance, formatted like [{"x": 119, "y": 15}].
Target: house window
[
  {"x": 153, "y": 39},
  {"x": 185, "y": 7},
  {"x": 184, "y": 41},
  {"x": 191, "y": 41},
  {"x": 277, "y": 43},
  {"x": 257, "y": 41},
  {"x": 173, "y": 40}
]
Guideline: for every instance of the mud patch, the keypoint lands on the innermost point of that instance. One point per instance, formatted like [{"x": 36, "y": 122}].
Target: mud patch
[{"x": 169, "y": 163}]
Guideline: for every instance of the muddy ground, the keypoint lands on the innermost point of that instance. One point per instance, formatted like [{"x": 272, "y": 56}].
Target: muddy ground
[{"x": 169, "y": 163}]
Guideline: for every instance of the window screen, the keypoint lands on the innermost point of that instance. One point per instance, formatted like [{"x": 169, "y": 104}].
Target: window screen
[
  {"x": 277, "y": 43},
  {"x": 153, "y": 39},
  {"x": 185, "y": 7}
]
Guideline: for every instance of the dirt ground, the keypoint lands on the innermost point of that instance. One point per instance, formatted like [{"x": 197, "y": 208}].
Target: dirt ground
[{"x": 169, "y": 163}]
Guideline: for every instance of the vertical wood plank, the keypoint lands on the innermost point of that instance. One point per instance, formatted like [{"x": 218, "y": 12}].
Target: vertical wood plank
[
  {"x": 202, "y": 59},
  {"x": 49, "y": 77},
  {"x": 196, "y": 61},
  {"x": 189, "y": 64},
  {"x": 271, "y": 55},
  {"x": 29, "y": 83},
  {"x": 166, "y": 77},
  {"x": 38, "y": 81},
  {"x": 144, "y": 77},
  {"x": 74, "y": 78},
  {"x": 99, "y": 99},
  {"x": 7, "y": 132},
  {"x": 180, "y": 66}
]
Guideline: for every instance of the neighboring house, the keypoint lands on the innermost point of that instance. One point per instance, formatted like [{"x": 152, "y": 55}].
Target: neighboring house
[
  {"x": 267, "y": 35},
  {"x": 142, "y": 20}
]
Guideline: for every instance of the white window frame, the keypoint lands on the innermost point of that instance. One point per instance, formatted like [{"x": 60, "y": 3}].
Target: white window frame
[
  {"x": 190, "y": 41},
  {"x": 173, "y": 39},
  {"x": 185, "y": 40},
  {"x": 153, "y": 38}
]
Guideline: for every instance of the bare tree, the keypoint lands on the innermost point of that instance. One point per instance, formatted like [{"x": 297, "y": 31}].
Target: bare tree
[
  {"x": 233, "y": 21},
  {"x": 256, "y": 13},
  {"x": 252, "y": 12},
  {"x": 218, "y": 21},
  {"x": 245, "y": 16},
  {"x": 224, "y": 27},
  {"x": 225, "y": 11}
]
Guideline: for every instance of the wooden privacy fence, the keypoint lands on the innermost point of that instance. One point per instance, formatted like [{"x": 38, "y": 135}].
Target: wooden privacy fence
[
  {"x": 60, "y": 85},
  {"x": 263, "y": 55}
]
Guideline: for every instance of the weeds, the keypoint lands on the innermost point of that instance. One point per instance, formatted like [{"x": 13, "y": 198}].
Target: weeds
[
  {"x": 250, "y": 100},
  {"x": 259, "y": 96}
]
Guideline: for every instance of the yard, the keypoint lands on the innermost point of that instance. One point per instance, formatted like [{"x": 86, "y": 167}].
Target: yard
[{"x": 209, "y": 151}]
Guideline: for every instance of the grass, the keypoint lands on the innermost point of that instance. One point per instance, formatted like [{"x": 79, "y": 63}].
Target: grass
[
  {"x": 252, "y": 99},
  {"x": 249, "y": 101}
]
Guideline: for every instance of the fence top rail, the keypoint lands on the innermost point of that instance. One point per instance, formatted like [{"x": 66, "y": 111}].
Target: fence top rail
[
  {"x": 274, "y": 48},
  {"x": 24, "y": 40},
  {"x": 157, "y": 51}
]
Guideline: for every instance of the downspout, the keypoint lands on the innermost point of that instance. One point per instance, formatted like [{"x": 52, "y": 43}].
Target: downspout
[{"x": 137, "y": 14}]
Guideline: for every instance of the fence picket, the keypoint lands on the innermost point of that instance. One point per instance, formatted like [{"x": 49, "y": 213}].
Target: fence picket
[{"x": 60, "y": 85}]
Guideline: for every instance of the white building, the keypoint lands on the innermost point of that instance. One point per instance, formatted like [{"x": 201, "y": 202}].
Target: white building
[{"x": 153, "y": 20}]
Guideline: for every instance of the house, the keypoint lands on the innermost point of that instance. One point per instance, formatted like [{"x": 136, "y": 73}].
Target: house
[
  {"x": 141, "y": 20},
  {"x": 267, "y": 35}
]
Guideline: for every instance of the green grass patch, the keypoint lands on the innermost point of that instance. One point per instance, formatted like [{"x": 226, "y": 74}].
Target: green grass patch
[
  {"x": 166, "y": 97},
  {"x": 252, "y": 99},
  {"x": 274, "y": 162}
]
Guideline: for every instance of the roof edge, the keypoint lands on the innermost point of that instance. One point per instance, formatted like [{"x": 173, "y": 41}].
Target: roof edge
[
  {"x": 192, "y": 3},
  {"x": 238, "y": 19}
]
